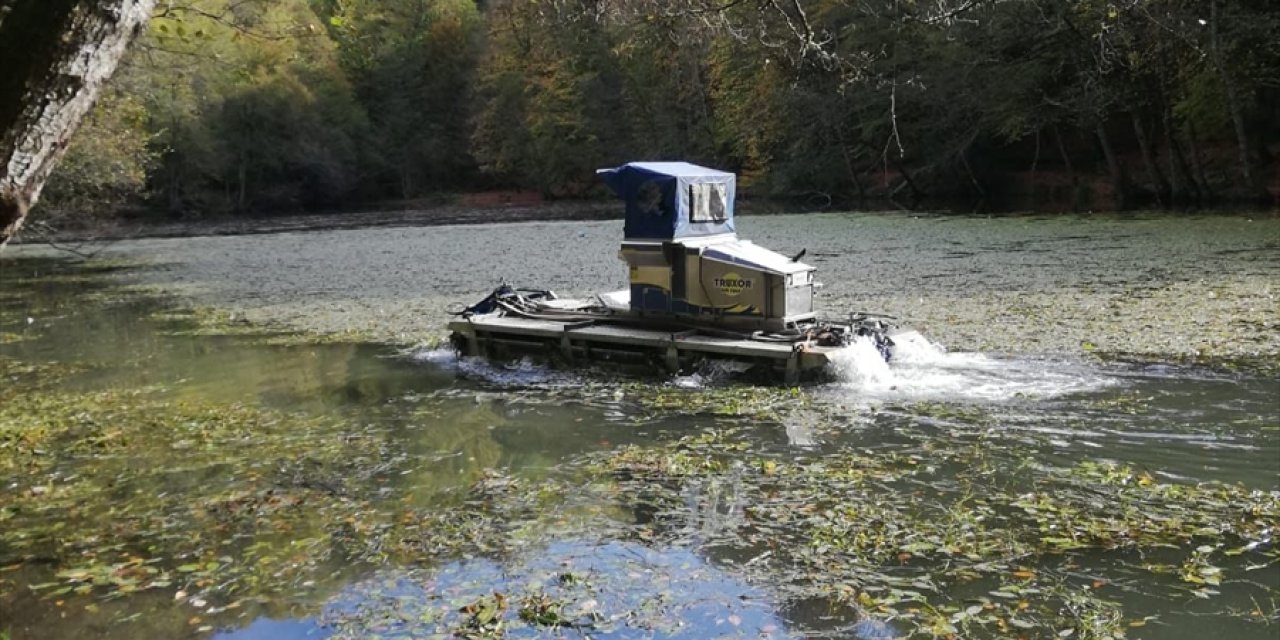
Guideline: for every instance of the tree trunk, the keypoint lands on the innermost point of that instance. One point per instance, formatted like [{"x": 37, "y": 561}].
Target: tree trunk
[
  {"x": 174, "y": 163},
  {"x": 1158, "y": 184},
  {"x": 242, "y": 179},
  {"x": 172, "y": 188},
  {"x": 916, "y": 193},
  {"x": 1233, "y": 100},
  {"x": 57, "y": 55},
  {"x": 849, "y": 166},
  {"x": 1193, "y": 142},
  {"x": 1176, "y": 177},
  {"x": 1071, "y": 168},
  {"x": 1035, "y": 159},
  {"x": 852, "y": 170},
  {"x": 406, "y": 180},
  {"x": 1182, "y": 184},
  {"x": 1119, "y": 180},
  {"x": 964, "y": 161}
]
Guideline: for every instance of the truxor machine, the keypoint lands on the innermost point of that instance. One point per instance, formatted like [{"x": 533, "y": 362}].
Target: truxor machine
[{"x": 697, "y": 291}]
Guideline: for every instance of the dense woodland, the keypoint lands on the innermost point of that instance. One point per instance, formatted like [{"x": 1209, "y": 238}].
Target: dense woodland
[{"x": 245, "y": 106}]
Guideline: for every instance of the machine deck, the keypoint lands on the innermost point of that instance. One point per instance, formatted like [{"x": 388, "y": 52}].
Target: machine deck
[{"x": 589, "y": 340}]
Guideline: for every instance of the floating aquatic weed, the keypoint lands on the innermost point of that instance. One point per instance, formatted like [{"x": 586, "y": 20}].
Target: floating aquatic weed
[
  {"x": 130, "y": 491},
  {"x": 904, "y": 526},
  {"x": 22, "y": 376},
  {"x": 899, "y": 532},
  {"x": 483, "y": 618},
  {"x": 636, "y": 402},
  {"x": 948, "y": 412},
  {"x": 1262, "y": 364},
  {"x": 1129, "y": 402},
  {"x": 209, "y": 321},
  {"x": 755, "y": 403},
  {"x": 1111, "y": 505},
  {"x": 192, "y": 321},
  {"x": 574, "y": 588}
]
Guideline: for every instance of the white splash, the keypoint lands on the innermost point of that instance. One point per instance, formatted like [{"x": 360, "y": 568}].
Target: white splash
[
  {"x": 691, "y": 381},
  {"x": 443, "y": 357},
  {"x": 522, "y": 372},
  {"x": 861, "y": 365},
  {"x": 923, "y": 370}
]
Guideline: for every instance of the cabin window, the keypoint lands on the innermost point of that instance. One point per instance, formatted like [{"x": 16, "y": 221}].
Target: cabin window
[
  {"x": 649, "y": 198},
  {"x": 708, "y": 202}
]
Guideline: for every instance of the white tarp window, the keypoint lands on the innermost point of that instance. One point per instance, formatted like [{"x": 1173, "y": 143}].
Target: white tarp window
[{"x": 708, "y": 202}]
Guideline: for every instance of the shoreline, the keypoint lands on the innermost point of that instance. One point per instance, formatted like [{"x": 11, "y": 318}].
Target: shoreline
[
  {"x": 415, "y": 214},
  {"x": 129, "y": 229}
]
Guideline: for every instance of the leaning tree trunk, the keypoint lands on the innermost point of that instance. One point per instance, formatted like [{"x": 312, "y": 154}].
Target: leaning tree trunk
[
  {"x": 1119, "y": 178},
  {"x": 1182, "y": 183},
  {"x": 1251, "y": 183},
  {"x": 1158, "y": 185},
  {"x": 56, "y": 55},
  {"x": 1193, "y": 145},
  {"x": 1071, "y": 168}
]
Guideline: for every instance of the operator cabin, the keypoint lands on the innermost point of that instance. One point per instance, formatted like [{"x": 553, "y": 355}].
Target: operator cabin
[{"x": 686, "y": 260}]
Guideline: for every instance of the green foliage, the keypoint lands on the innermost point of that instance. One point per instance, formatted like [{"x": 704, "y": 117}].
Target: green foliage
[
  {"x": 285, "y": 145},
  {"x": 248, "y": 108},
  {"x": 107, "y": 164},
  {"x": 411, "y": 63},
  {"x": 549, "y": 103},
  {"x": 233, "y": 105}
]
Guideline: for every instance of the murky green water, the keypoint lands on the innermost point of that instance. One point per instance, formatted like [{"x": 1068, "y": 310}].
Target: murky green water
[{"x": 158, "y": 479}]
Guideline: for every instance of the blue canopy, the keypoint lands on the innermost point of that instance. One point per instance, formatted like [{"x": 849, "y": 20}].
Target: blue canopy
[{"x": 671, "y": 200}]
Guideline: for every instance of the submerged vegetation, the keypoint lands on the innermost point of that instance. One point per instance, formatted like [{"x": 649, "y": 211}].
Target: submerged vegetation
[
  {"x": 87, "y": 483},
  {"x": 208, "y": 321},
  {"x": 223, "y": 504},
  {"x": 966, "y": 536}
]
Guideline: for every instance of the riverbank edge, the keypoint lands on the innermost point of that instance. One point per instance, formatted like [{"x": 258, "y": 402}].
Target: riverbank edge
[{"x": 420, "y": 214}]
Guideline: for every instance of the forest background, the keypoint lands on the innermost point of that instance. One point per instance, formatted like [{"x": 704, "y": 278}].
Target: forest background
[{"x": 227, "y": 107}]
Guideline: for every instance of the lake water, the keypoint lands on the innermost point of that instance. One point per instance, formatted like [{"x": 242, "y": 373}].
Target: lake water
[{"x": 164, "y": 475}]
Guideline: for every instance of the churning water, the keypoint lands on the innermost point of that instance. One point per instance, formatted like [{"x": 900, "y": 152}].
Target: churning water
[
  {"x": 919, "y": 370},
  {"x": 924, "y": 370},
  {"x": 523, "y": 372}
]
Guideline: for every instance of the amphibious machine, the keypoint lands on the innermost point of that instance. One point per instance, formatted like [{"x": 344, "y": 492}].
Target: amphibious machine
[{"x": 697, "y": 291}]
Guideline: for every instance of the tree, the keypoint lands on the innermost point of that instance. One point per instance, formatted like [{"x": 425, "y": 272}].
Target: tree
[
  {"x": 248, "y": 109},
  {"x": 412, "y": 63},
  {"x": 270, "y": 105},
  {"x": 549, "y": 109},
  {"x": 106, "y": 165},
  {"x": 57, "y": 54}
]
